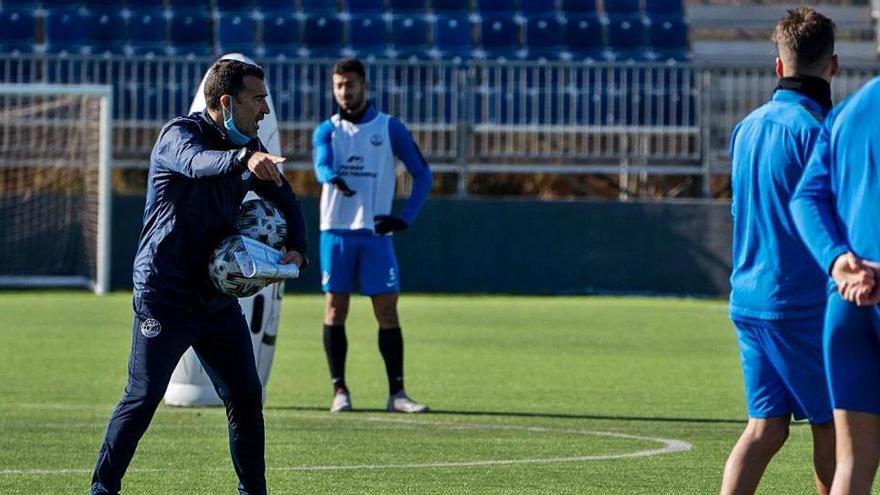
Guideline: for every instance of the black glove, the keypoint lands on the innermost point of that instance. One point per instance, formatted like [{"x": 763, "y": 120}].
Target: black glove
[
  {"x": 389, "y": 223},
  {"x": 340, "y": 184},
  {"x": 305, "y": 261}
]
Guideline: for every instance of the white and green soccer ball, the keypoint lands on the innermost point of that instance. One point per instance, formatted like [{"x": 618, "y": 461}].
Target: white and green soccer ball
[
  {"x": 226, "y": 273},
  {"x": 262, "y": 221}
]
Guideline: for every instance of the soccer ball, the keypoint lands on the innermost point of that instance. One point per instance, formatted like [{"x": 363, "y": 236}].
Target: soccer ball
[
  {"x": 226, "y": 274},
  {"x": 262, "y": 221}
]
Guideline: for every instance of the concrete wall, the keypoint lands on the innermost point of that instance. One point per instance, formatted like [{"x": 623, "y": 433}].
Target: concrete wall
[{"x": 529, "y": 247}]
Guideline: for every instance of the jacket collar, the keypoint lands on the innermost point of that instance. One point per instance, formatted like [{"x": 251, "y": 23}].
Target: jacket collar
[{"x": 815, "y": 88}]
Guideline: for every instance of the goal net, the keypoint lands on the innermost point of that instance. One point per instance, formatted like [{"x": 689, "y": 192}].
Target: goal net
[{"x": 55, "y": 157}]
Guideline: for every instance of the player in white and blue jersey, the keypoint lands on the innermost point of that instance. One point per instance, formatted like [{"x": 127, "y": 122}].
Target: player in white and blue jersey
[
  {"x": 835, "y": 211},
  {"x": 777, "y": 295},
  {"x": 355, "y": 157}
]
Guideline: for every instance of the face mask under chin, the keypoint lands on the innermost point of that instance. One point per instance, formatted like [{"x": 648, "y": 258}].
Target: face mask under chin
[{"x": 237, "y": 137}]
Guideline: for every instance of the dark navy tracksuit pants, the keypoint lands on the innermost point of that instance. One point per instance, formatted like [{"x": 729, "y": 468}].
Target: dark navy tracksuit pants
[{"x": 160, "y": 336}]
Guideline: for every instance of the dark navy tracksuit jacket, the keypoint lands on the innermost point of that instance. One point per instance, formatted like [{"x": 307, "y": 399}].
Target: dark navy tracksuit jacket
[{"x": 196, "y": 184}]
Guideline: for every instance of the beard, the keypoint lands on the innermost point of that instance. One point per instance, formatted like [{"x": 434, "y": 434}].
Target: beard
[{"x": 354, "y": 107}]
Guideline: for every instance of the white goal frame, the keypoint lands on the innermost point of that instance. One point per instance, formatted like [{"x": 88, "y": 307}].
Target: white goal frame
[{"x": 101, "y": 283}]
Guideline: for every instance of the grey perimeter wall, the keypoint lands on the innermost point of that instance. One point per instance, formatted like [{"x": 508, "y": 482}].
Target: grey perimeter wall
[{"x": 528, "y": 247}]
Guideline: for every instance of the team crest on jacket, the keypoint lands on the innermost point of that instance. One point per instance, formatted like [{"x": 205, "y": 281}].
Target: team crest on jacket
[
  {"x": 150, "y": 328},
  {"x": 246, "y": 175},
  {"x": 376, "y": 140}
]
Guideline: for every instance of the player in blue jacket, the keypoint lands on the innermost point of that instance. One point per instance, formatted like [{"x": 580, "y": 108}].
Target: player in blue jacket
[
  {"x": 777, "y": 295},
  {"x": 355, "y": 156},
  {"x": 834, "y": 208},
  {"x": 200, "y": 170}
]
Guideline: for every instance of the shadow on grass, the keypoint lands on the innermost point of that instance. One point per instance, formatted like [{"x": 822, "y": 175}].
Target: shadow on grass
[{"x": 514, "y": 414}]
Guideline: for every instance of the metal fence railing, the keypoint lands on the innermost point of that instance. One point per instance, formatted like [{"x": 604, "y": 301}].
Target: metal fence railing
[{"x": 475, "y": 116}]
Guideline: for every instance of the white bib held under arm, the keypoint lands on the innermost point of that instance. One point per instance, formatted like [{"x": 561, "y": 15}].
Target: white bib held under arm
[{"x": 363, "y": 157}]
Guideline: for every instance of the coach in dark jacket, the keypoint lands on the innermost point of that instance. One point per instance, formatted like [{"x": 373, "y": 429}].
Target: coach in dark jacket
[{"x": 200, "y": 170}]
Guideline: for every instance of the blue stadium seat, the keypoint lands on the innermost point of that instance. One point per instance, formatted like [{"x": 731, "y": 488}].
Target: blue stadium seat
[
  {"x": 143, "y": 4},
  {"x": 323, "y": 35},
  {"x": 364, "y": 6},
  {"x": 107, "y": 32},
  {"x": 531, "y": 8},
  {"x": 453, "y": 36},
  {"x": 499, "y": 36},
  {"x": 319, "y": 7},
  {"x": 622, "y": 7},
  {"x": 578, "y": 7},
  {"x": 655, "y": 8},
  {"x": 582, "y": 35},
  {"x": 202, "y": 6},
  {"x": 234, "y": 5},
  {"x": 147, "y": 32},
  {"x": 281, "y": 35},
  {"x": 409, "y": 6},
  {"x": 669, "y": 38},
  {"x": 367, "y": 35},
  {"x": 22, "y": 5},
  {"x": 107, "y": 4},
  {"x": 273, "y": 6},
  {"x": 496, "y": 7},
  {"x": 60, "y": 4},
  {"x": 452, "y": 7},
  {"x": 543, "y": 37},
  {"x": 67, "y": 31},
  {"x": 236, "y": 32},
  {"x": 626, "y": 38},
  {"x": 191, "y": 34},
  {"x": 409, "y": 36},
  {"x": 17, "y": 31}
]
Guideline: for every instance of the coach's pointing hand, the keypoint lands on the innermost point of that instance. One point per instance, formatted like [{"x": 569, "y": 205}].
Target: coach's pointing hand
[{"x": 265, "y": 166}]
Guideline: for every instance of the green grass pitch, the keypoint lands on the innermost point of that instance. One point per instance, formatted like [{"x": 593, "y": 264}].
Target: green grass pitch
[{"x": 525, "y": 390}]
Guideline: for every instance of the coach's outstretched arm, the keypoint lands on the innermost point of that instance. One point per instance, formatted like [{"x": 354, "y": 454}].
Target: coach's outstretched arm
[
  {"x": 406, "y": 150},
  {"x": 180, "y": 149}
]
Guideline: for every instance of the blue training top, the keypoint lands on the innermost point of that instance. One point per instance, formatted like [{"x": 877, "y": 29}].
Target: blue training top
[
  {"x": 773, "y": 274},
  {"x": 835, "y": 203},
  {"x": 403, "y": 147},
  {"x": 194, "y": 190}
]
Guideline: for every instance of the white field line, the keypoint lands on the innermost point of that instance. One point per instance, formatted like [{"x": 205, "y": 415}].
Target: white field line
[{"x": 669, "y": 446}]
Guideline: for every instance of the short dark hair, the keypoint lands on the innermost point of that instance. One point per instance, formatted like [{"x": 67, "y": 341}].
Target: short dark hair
[
  {"x": 807, "y": 37},
  {"x": 226, "y": 77},
  {"x": 345, "y": 65}
]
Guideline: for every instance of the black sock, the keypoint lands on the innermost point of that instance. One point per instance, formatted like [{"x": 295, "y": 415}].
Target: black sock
[
  {"x": 391, "y": 347},
  {"x": 336, "y": 347}
]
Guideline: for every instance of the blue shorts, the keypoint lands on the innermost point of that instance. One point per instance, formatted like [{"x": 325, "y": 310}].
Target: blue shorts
[
  {"x": 852, "y": 354},
  {"x": 783, "y": 370},
  {"x": 361, "y": 255}
]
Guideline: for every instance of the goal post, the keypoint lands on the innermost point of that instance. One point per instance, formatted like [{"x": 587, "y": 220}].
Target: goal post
[{"x": 55, "y": 185}]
